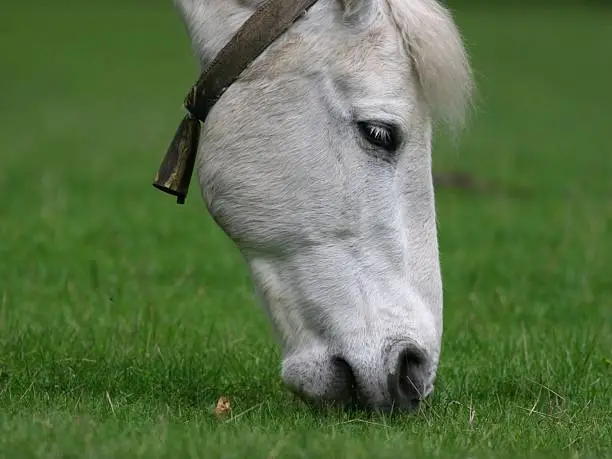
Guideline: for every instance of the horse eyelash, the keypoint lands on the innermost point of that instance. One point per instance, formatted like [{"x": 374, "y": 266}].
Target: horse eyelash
[{"x": 379, "y": 133}]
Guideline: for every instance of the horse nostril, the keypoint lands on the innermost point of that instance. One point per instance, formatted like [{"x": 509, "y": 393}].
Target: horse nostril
[
  {"x": 345, "y": 383},
  {"x": 407, "y": 385}
]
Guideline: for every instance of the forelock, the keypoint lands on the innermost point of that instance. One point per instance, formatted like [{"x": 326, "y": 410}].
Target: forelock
[{"x": 435, "y": 48}]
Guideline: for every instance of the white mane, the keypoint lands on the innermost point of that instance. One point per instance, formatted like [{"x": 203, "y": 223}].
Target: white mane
[{"x": 434, "y": 45}]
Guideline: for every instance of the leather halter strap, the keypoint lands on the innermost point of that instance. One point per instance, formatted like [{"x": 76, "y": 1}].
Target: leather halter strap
[{"x": 259, "y": 31}]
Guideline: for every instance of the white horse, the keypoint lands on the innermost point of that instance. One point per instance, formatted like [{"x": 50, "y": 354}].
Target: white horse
[{"x": 317, "y": 164}]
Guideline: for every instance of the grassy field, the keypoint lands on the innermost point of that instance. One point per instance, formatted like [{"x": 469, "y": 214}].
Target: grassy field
[{"x": 124, "y": 317}]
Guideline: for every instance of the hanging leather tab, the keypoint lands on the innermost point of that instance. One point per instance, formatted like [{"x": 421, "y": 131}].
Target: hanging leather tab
[{"x": 174, "y": 174}]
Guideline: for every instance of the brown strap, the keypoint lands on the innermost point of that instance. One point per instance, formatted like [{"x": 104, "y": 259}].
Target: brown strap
[
  {"x": 257, "y": 33},
  {"x": 260, "y": 30}
]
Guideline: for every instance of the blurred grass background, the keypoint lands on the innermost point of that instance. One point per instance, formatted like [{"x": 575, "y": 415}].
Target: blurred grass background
[{"x": 123, "y": 316}]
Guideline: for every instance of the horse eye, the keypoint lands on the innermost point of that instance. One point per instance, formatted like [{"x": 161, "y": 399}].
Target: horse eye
[{"x": 380, "y": 134}]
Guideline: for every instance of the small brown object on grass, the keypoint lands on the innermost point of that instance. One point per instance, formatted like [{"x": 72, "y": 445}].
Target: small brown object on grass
[{"x": 224, "y": 408}]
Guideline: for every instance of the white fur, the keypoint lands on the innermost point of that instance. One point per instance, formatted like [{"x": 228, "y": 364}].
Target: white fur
[{"x": 341, "y": 242}]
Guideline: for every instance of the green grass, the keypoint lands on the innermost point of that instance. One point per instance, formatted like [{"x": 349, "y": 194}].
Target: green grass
[{"x": 124, "y": 317}]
